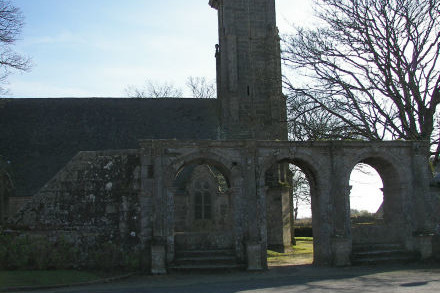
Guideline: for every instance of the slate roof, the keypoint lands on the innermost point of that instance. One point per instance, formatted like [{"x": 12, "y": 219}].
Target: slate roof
[{"x": 39, "y": 136}]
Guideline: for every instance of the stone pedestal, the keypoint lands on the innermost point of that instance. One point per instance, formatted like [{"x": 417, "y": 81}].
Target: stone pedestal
[
  {"x": 341, "y": 248},
  {"x": 424, "y": 243},
  {"x": 253, "y": 251},
  {"x": 436, "y": 247},
  {"x": 158, "y": 256}
]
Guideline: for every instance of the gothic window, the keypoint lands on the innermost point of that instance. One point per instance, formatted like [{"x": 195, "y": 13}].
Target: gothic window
[{"x": 202, "y": 201}]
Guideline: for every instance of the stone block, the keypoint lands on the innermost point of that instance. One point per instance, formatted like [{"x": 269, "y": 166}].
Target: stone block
[
  {"x": 253, "y": 251},
  {"x": 436, "y": 247},
  {"x": 341, "y": 251},
  {"x": 158, "y": 256},
  {"x": 425, "y": 246}
]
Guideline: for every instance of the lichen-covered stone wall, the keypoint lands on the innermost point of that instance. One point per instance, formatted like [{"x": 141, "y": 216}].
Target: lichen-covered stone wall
[{"x": 93, "y": 203}]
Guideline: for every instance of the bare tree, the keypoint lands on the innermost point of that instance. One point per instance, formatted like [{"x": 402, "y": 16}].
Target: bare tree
[
  {"x": 11, "y": 24},
  {"x": 371, "y": 69},
  {"x": 201, "y": 88},
  {"x": 155, "y": 90},
  {"x": 300, "y": 189},
  {"x": 309, "y": 121}
]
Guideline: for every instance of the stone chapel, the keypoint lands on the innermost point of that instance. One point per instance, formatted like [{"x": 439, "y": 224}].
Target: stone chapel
[{"x": 190, "y": 183}]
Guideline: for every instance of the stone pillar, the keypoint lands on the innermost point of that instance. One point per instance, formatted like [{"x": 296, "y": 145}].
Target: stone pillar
[
  {"x": 341, "y": 249},
  {"x": 424, "y": 246},
  {"x": 278, "y": 219},
  {"x": 158, "y": 259},
  {"x": 253, "y": 210},
  {"x": 159, "y": 246},
  {"x": 238, "y": 203},
  {"x": 146, "y": 202},
  {"x": 6, "y": 188},
  {"x": 253, "y": 252},
  {"x": 421, "y": 202},
  {"x": 341, "y": 239}
]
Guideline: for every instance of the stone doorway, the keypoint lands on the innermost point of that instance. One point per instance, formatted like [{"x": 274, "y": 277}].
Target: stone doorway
[
  {"x": 282, "y": 183},
  {"x": 203, "y": 217}
]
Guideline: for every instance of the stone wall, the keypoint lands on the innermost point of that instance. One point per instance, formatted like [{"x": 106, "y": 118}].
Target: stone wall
[
  {"x": 94, "y": 203},
  {"x": 16, "y": 203},
  {"x": 403, "y": 167},
  {"x": 6, "y": 191},
  {"x": 126, "y": 199}
]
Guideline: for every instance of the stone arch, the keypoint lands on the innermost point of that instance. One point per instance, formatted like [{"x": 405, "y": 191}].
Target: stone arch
[
  {"x": 303, "y": 160},
  {"x": 316, "y": 174},
  {"x": 394, "y": 228},
  {"x": 200, "y": 157},
  {"x": 216, "y": 232},
  {"x": 383, "y": 162}
]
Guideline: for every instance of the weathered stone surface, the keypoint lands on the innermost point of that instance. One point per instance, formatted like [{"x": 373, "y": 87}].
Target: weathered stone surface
[
  {"x": 158, "y": 260},
  {"x": 249, "y": 71},
  {"x": 254, "y": 253},
  {"x": 6, "y": 190},
  {"x": 93, "y": 201},
  {"x": 329, "y": 164}
]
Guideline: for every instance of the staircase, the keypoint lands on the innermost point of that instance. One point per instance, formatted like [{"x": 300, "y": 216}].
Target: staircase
[
  {"x": 207, "y": 260},
  {"x": 381, "y": 253}
]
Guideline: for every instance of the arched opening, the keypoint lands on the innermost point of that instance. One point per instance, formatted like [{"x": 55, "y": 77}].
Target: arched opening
[
  {"x": 290, "y": 188},
  {"x": 202, "y": 201},
  {"x": 366, "y": 195},
  {"x": 377, "y": 221},
  {"x": 203, "y": 215}
]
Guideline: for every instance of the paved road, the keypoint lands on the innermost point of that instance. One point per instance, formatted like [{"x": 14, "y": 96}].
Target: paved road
[{"x": 414, "y": 278}]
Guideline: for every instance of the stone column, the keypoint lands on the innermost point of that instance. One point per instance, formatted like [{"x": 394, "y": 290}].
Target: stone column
[
  {"x": 238, "y": 203},
  {"x": 422, "y": 216},
  {"x": 422, "y": 202},
  {"x": 341, "y": 240},
  {"x": 278, "y": 218},
  {"x": 146, "y": 201},
  {"x": 158, "y": 248},
  {"x": 254, "y": 249}
]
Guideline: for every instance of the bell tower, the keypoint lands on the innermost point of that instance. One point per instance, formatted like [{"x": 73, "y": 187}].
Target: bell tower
[{"x": 249, "y": 71}]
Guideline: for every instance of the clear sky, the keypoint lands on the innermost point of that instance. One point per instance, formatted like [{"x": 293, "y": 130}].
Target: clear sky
[{"x": 97, "y": 48}]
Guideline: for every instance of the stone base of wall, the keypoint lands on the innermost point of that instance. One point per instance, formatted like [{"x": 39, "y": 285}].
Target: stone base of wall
[
  {"x": 436, "y": 247},
  {"x": 341, "y": 248},
  {"x": 46, "y": 250},
  {"x": 253, "y": 251}
]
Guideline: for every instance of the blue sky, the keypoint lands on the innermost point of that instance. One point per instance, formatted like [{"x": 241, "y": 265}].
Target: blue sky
[{"x": 97, "y": 48}]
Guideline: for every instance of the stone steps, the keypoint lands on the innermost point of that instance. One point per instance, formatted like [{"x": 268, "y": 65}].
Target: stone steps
[
  {"x": 207, "y": 260},
  {"x": 381, "y": 253}
]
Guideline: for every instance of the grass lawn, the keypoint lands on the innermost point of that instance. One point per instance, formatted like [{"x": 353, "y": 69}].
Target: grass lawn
[
  {"x": 45, "y": 278},
  {"x": 301, "y": 254}
]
